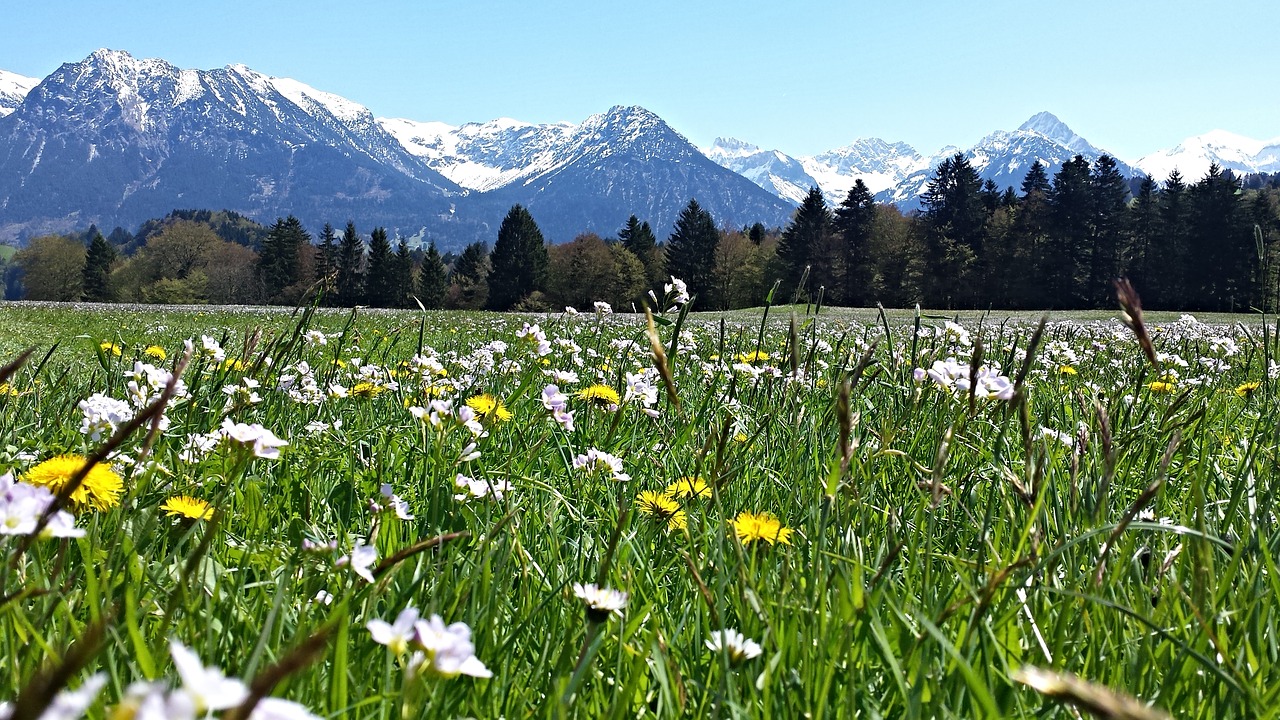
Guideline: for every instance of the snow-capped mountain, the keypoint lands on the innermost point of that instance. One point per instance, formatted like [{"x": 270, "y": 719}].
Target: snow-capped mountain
[
  {"x": 878, "y": 163},
  {"x": 591, "y": 176},
  {"x": 1005, "y": 156},
  {"x": 1193, "y": 156},
  {"x": 114, "y": 139},
  {"x": 13, "y": 88}
]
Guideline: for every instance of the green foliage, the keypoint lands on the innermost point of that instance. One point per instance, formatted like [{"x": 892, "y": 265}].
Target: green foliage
[
  {"x": 351, "y": 274},
  {"x": 380, "y": 274},
  {"x": 518, "y": 265},
  {"x": 97, "y": 270},
  {"x": 691, "y": 252},
  {"x": 469, "y": 279},
  {"x": 52, "y": 267},
  {"x": 587, "y": 269},
  {"x": 280, "y": 263},
  {"x": 433, "y": 280}
]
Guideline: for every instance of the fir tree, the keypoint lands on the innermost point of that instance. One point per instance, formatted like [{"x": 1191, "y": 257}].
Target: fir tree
[
  {"x": 1110, "y": 195},
  {"x": 468, "y": 283},
  {"x": 433, "y": 279},
  {"x": 853, "y": 224},
  {"x": 691, "y": 250},
  {"x": 1144, "y": 225},
  {"x": 278, "y": 262},
  {"x": 955, "y": 218},
  {"x": 404, "y": 276},
  {"x": 327, "y": 261},
  {"x": 97, "y": 270},
  {"x": 1168, "y": 259},
  {"x": 1068, "y": 258},
  {"x": 638, "y": 238},
  {"x": 1222, "y": 245},
  {"x": 519, "y": 260},
  {"x": 350, "y": 268},
  {"x": 806, "y": 246},
  {"x": 380, "y": 275}
]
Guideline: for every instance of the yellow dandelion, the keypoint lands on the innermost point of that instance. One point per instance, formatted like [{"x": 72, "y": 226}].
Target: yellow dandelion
[
  {"x": 740, "y": 438},
  {"x": 689, "y": 487},
  {"x": 755, "y": 357},
  {"x": 1160, "y": 386},
  {"x": 1246, "y": 389},
  {"x": 366, "y": 389},
  {"x": 188, "y": 508},
  {"x": 101, "y": 487},
  {"x": 1067, "y": 370},
  {"x": 7, "y": 389},
  {"x": 602, "y": 396},
  {"x": 110, "y": 348},
  {"x": 487, "y": 406},
  {"x": 155, "y": 351},
  {"x": 662, "y": 508},
  {"x": 233, "y": 364},
  {"x": 749, "y": 527}
]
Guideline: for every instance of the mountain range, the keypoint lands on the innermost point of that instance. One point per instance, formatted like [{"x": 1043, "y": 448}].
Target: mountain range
[{"x": 115, "y": 140}]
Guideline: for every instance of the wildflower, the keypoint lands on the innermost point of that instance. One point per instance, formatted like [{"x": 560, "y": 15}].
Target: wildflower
[
  {"x": 361, "y": 559},
  {"x": 755, "y": 357},
  {"x": 662, "y": 508},
  {"x": 366, "y": 389},
  {"x": 678, "y": 289},
  {"x": 68, "y": 704},
  {"x": 1161, "y": 386},
  {"x": 1067, "y": 370},
  {"x": 109, "y": 348},
  {"x": 689, "y": 487},
  {"x": 564, "y": 417},
  {"x": 1247, "y": 389},
  {"x": 262, "y": 441},
  {"x": 750, "y": 527},
  {"x": 600, "y": 602},
  {"x": 103, "y": 415},
  {"x": 602, "y": 396},
  {"x": 315, "y": 337},
  {"x": 156, "y": 352},
  {"x": 21, "y": 506},
  {"x": 211, "y": 349},
  {"x": 394, "y": 502},
  {"x": 603, "y": 308},
  {"x": 233, "y": 365},
  {"x": 446, "y": 650},
  {"x": 7, "y": 389},
  {"x": 487, "y": 406},
  {"x": 480, "y": 488},
  {"x": 206, "y": 687},
  {"x": 396, "y": 636},
  {"x": 594, "y": 461},
  {"x": 100, "y": 489},
  {"x": 187, "y": 508},
  {"x": 737, "y": 646}
]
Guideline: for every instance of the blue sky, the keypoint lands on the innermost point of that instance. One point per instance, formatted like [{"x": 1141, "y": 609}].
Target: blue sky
[{"x": 799, "y": 76}]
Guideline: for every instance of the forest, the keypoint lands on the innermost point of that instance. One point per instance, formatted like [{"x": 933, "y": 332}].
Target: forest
[{"x": 1057, "y": 242}]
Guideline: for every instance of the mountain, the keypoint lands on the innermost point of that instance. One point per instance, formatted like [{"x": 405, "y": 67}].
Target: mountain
[
  {"x": 878, "y": 163},
  {"x": 115, "y": 140},
  {"x": 1193, "y": 156},
  {"x": 1005, "y": 156},
  {"x": 588, "y": 177},
  {"x": 13, "y": 88}
]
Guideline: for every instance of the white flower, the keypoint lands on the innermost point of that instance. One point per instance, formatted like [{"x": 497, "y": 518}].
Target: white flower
[
  {"x": 68, "y": 704},
  {"x": 480, "y": 488},
  {"x": 395, "y": 503},
  {"x": 206, "y": 687},
  {"x": 103, "y": 415},
  {"x": 594, "y": 461},
  {"x": 739, "y": 647},
  {"x": 600, "y": 602},
  {"x": 211, "y": 349},
  {"x": 361, "y": 559},
  {"x": 264, "y": 443},
  {"x": 276, "y": 709},
  {"x": 315, "y": 337},
  {"x": 396, "y": 636},
  {"x": 603, "y": 308},
  {"x": 447, "y": 650}
]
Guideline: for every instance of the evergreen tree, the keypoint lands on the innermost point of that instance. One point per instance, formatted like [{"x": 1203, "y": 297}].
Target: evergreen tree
[
  {"x": 380, "y": 274},
  {"x": 853, "y": 223},
  {"x": 433, "y": 279},
  {"x": 1144, "y": 228},
  {"x": 990, "y": 195},
  {"x": 97, "y": 270},
  {"x": 1169, "y": 259},
  {"x": 638, "y": 238},
  {"x": 519, "y": 260},
  {"x": 955, "y": 217},
  {"x": 404, "y": 276},
  {"x": 350, "y": 268},
  {"x": 468, "y": 283},
  {"x": 278, "y": 262},
  {"x": 807, "y": 246},
  {"x": 1110, "y": 206},
  {"x": 327, "y": 262},
  {"x": 691, "y": 251},
  {"x": 1067, "y": 262},
  {"x": 1222, "y": 246},
  {"x": 756, "y": 233}
]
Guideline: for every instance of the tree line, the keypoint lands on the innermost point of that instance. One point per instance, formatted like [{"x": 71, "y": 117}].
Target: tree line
[{"x": 1056, "y": 243}]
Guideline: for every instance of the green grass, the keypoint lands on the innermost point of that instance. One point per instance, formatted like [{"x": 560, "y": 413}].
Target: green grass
[{"x": 957, "y": 544}]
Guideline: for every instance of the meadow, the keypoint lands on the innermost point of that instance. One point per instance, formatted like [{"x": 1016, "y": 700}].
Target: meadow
[{"x": 274, "y": 513}]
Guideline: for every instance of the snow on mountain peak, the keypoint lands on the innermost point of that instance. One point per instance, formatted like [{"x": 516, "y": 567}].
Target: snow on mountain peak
[
  {"x": 1048, "y": 125},
  {"x": 1193, "y": 156},
  {"x": 730, "y": 148},
  {"x": 13, "y": 88}
]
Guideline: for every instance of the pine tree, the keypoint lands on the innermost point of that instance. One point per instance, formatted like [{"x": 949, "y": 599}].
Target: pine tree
[
  {"x": 853, "y": 224},
  {"x": 380, "y": 275},
  {"x": 1028, "y": 267},
  {"x": 1168, "y": 259},
  {"x": 756, "y": 233},
  {"x": 468, "y": 283},
  {"x": 806, "y": 246},
  {"x": 433, "y": 280},
  {"x": 97, "y": 270},
  {"x": 327, "y": 262},
  {"x": 1068, "y": 260},
  {"x": 691, "y": 251},
  {"x": 404, "y": 276},
  {"x": 955, "y": 218},
  {"x": 519, "y": 260},
  {"x": 350, "y": 268},
  {"x": 1222, "y": 246},
  {"x": 1110, "y": 206},
  {"x": 638, "y": 238},
  {"x": 278, "y": 264}
]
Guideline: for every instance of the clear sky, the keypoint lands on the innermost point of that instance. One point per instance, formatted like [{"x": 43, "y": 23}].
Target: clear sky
[{"x": 800, "y": 76}]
